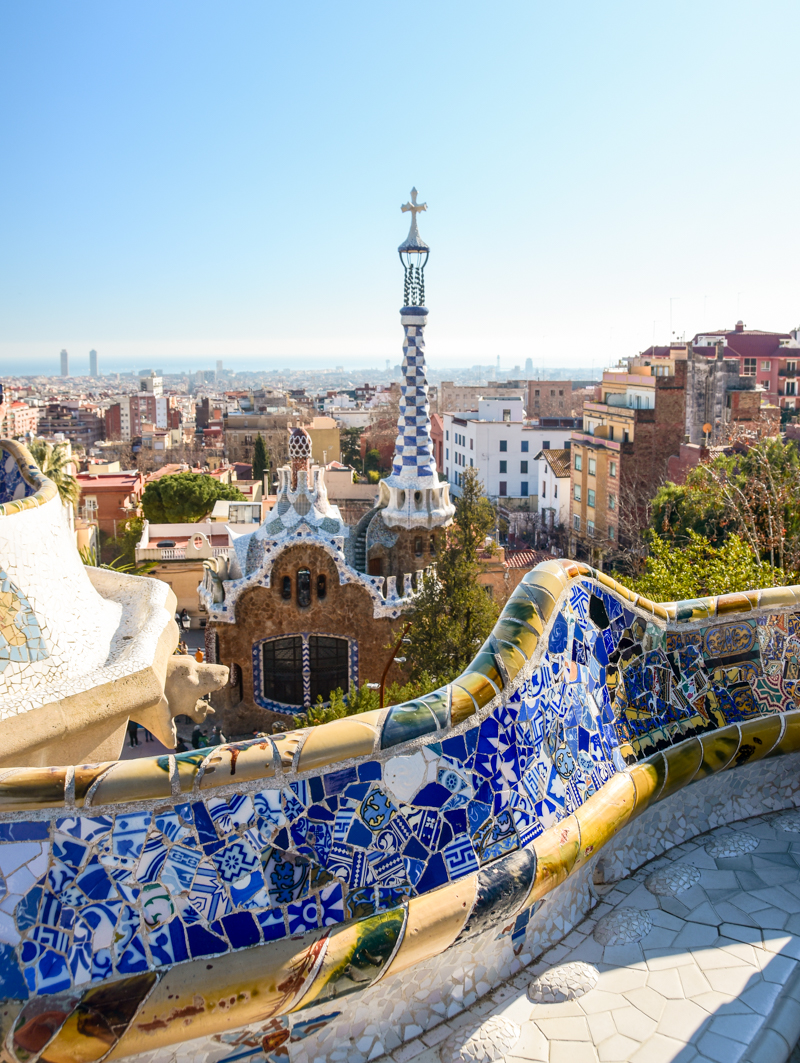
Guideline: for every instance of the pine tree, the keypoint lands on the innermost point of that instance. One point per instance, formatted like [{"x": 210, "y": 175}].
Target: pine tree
[
  {"x": 453, "y": 614},
  {"x": 260, "y": 460}
]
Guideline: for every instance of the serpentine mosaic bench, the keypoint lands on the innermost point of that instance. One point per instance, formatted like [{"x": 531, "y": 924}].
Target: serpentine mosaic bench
[{"x": 262, "y": 900}]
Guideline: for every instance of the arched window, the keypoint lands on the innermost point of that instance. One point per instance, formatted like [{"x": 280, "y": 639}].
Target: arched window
[
  {"x": 322, "y": 586},
  {"x": 432, "y": 546},
  {"x": 418, "y": 547},
  {"x": 286, "y": 593},
  {"x": 303, "y": 588}
]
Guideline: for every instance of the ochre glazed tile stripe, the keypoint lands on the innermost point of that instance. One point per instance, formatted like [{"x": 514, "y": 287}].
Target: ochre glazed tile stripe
[{"x": 44, "y": 489}]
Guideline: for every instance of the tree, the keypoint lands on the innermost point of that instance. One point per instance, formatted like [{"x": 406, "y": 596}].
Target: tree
[
  {"x": 54, "y": 462},
  {"x": 184, "y": 497},
  {"x": 351, "y": 445},
  {"x": 453, "y": 614},
  {"x": 698, "y": 568},
  {"x": 260, "y": 460},
  {"x": 749, "y": 491}
]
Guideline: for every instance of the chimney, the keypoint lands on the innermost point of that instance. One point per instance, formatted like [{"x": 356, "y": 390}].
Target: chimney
[{"x": 740, "y": 326}]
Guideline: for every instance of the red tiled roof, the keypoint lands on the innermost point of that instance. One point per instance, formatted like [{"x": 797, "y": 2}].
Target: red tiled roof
[{"x": 526, "y": 558}]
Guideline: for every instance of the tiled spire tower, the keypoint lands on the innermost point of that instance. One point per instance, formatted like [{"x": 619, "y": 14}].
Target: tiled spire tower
[{"x": 413, "y": 496}]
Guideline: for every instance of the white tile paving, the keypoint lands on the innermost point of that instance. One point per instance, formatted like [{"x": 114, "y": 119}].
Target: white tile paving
[{"x": 700, "y": 985}]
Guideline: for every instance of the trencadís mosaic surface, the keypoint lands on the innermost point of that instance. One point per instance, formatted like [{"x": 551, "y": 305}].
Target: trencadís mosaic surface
[{"x": 315, "y": 852}]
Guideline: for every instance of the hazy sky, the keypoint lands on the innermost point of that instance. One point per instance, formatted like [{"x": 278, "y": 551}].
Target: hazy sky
[{"x": 185, "y": 181}]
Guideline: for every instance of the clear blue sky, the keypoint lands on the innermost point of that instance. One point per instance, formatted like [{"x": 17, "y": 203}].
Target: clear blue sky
[{"x": 185, "y": 181}]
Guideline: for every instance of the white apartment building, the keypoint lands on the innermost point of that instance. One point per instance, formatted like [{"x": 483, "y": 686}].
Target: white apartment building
[
  {"x": 498, "y": 441},
  {"x": 554, "y": 486}
]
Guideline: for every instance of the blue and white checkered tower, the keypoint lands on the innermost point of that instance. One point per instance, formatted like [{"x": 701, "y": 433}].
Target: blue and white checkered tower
[{"x": 413, "y": 496}]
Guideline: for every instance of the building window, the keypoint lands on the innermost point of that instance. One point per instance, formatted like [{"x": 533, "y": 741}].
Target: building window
[
  {"x": 503, "y": 446},
  {"x": 791, "y": 367},
  {"x": 611, "y": 431},
  {"x": 576, "y": 522},
  {"x": 471, "y": 464},
  {"x": 328, "y": 663},
  {"x": 544, "y": 489},
  {"x": 791, "y": 387},
  {"x": 561, "y": 394},
  {"x": 555, "y": 490},
  {"x": 552, "y": 393},
  {"x": 766, "y": 367},
  {"x": 303, "y": 588},
  {"x": 536, "y": 393},
  {"x": 625, "y": 437},
  {"x": 503, "y": 466},
  {"x": 612, "y": 468},
  {"x": 506, "y": 415},
  {"x": 418, "y": 547},
  {"x": 578, "y": 462},
  {"x": 523, "y": 466},
  {"x": 524, "y": 446},
  {"x": 576, "y": 492},
  {"x": 283, "y": 670},
  {"x": 749, "y": 367},
  {"x": 447, "y": 453},
  {"x": 590, "y": 498},
  {"x": 322, "y": 586},
  {"x": 545, "y": 444},
  {"x": 447, "y": 435},
  {"x": 524, "y": 489},
  {"x": 590, "y": 528},
  {"x": 612, "y": 501},
  {"x": 286, "y": 592},
  {"x": 611, "y": 532},
  {"x": 472, "y": 444},
  {"x": 503, "y": 488},
  {"x": 592, "y": 467}
]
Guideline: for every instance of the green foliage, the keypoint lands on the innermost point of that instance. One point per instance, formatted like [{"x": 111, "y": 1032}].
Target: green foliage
[
  {"x": 350, "y": 441},
  {"x": 54, "y": 462},
  {"x": 260, "y": 460},
  {"x": 124, "y": 545},
  {"x": 184, "y": 497},
  {"x": 697, "y": 569},
  {"x": 88, "y": 555},
  {"x": 364, "y": 700},
  {"x": 373, "y": 460},
  {"x": 753, "y": 494},
  {"x": 453, "y": 615},
  {"x": 373, "y": 476}
]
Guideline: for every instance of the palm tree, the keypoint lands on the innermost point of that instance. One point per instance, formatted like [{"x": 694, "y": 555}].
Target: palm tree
[{"x": 54, "y": 462}]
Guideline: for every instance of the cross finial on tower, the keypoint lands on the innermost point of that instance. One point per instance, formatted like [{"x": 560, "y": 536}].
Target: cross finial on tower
[
  {"x": 413, "y": 241},
  {"x": 413, "y": 206}
]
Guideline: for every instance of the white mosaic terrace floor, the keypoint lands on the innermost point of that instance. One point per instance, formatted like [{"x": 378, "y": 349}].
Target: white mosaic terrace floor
[{"x": 712, "y": 974}]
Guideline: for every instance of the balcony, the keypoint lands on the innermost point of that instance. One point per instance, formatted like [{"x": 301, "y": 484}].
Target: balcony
[{"x": 786, "y": 371}]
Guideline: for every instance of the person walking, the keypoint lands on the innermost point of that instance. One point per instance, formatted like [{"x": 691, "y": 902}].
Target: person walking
[
  {"x": 133, "y": 732},
  {"x": 197, "y": 737}
]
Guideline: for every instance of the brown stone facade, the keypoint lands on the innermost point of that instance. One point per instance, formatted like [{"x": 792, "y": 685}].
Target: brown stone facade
[
  {"x": 345, "y": 611},
  {"x": 414, "y": 549}
]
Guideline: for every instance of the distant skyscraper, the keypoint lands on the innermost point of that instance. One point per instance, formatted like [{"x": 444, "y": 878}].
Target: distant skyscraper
[
  {"x": 93, "y": 364},
  {"x": 529, "y": 367},
  {"x": 64, "y": 363},
  {"x": 219, "y": 366}
]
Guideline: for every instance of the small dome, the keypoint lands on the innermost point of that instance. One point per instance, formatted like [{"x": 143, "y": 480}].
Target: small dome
[{"x": 299, "y": 444}]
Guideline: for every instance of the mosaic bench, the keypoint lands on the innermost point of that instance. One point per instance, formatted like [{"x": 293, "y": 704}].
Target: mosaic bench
[{"x": 228, "y": 902}]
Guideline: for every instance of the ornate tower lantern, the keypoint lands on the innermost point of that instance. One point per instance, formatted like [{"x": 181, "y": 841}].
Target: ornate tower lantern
[{"x": 413, "y": 496}]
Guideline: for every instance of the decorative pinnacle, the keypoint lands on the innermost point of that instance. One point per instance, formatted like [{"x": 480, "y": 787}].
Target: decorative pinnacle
[{"x": 413, "y": 241}]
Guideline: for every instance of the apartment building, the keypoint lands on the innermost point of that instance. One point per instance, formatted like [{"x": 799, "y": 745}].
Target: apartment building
[
  {"x": 770, "y": 359},
  {"x": 619, "y": 456},
  {"x": 109, "y": 499},
  {"x": 555, "y": 470},
  {"x": 240, "y": 432},
  {"x": 499, "y": 441}
]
